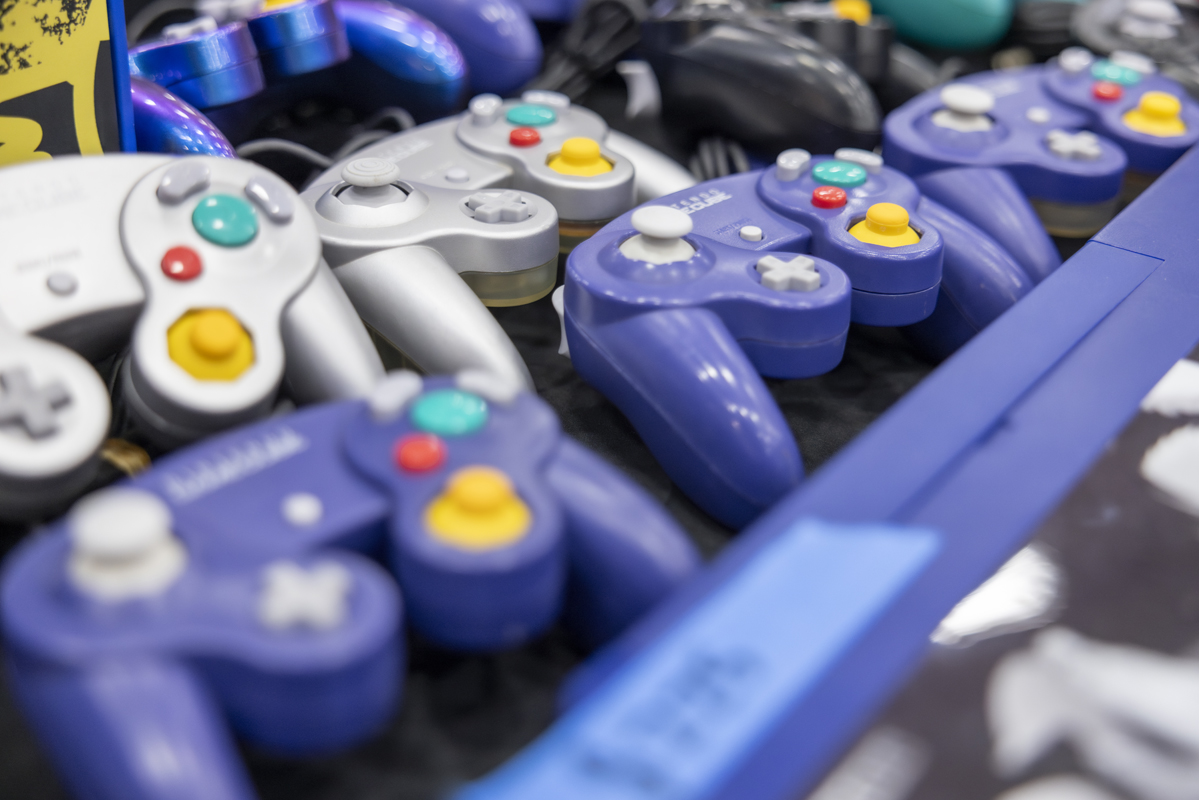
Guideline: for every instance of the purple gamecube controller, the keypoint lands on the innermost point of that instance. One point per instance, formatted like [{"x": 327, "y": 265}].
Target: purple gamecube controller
[
  {"x": 215, "y": 591},
  {"x": 674, "y": 311},
  {"x": 1062, "y": 137}
]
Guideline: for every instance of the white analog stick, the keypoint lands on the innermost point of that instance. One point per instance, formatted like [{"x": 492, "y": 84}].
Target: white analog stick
[
  {"x": 123, "y": 546},
  {"x": 660, "y": 236},
  {"x": 370, "y": 172},
  {"x": 963, "y": 98}
]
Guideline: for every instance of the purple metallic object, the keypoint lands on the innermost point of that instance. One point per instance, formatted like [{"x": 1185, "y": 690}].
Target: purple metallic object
[{"x": 164, "y": 123}]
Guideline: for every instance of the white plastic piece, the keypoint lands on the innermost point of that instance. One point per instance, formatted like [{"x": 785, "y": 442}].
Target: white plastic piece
[
  {"x": 302, "y": 510},
  {"x": 273, "y": 197},
  {"x": 457, "y": 175},
  {"x": 62, "y": 283},
  {"x": 968, "y": 99},
  {"x": 544, "y": 97},
  {"x": 870, "y": 161},
  {"x": 1038, "y": 114},
  {"x": 488, "y": 385},
  {"x": 966, "y": 107},
  {"x": 505, "y": 206},
  {"x": 1135, "y": 61},
  {"x": 1171, "y": 466},
  {"x": 1075, "y": 59},
  {"x": 123, "y": 547},
  {"x": 370, "y": 172},
  {"x": 393, "y": 393},
  {"x": 183, "y": 30},
  {"x": 644, "y": 94},
  {"x": 792, "y": 163},
  {"x": 183, "y": 180},
  {"x": 486, "y": 109},
  {"x": 222, "y": 10},
  {"x": 799, "y": 274},
  {"x": 558, "y": 299},
  {"x": 751, "y": 233},
  {"x": 293, "y": 596},
  {"x": 1078, "y": 146},
  {"x": 660, "y": 236},
  {"x": 1156, "y": 10}
]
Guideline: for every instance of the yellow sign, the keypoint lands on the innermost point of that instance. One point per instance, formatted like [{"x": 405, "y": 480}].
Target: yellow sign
[{"x": 56, "y": 82}]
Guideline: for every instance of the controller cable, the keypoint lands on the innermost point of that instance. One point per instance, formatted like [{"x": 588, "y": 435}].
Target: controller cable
[
  {"x": 716, "y": 157},
  {"x": 600, "y": 35}
]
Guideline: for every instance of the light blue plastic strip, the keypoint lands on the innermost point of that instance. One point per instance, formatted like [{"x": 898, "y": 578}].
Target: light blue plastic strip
[{"x": 684, "y": 712}]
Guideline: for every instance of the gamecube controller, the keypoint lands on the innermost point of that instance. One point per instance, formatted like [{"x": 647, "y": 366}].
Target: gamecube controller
[
  {"x": 675, "y": 310},
  {"x": 214, "y": 591},
  {"x": 209, "y": 269},
  {"x": 1063, "y": 137},
  {"x": 363, "y": 53}
]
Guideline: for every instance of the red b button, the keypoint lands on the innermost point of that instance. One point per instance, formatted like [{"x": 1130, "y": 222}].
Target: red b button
[
  {"x": 182, "y": 264},
  {"x": 524, "y": 137},
  {"x": 1107, "y": 91},
  {"x": 828, "y": 197},
  {"x": 419, "y": 452}
]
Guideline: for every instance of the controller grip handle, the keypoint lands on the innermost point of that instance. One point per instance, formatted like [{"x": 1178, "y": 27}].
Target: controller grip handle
[
  {"x": 980, "y": 280},
  {"x": 657, "y": 174},
  {"x": 698, "y": 404},
  {"x": 416, "y": 301},
  {"x": 330, "y": 355},
  {"x": 131, "y": 729},
  {"x": 626, "y": 553},
  {"x": 990, "y": 199}
]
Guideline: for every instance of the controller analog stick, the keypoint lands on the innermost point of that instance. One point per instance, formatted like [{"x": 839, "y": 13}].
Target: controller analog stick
[
  {"x": 122, "y": 545},
  {"x": 966, "y": 108},
  {"x": 660, "y": 232},
  {"x": 370, "y": 172}
]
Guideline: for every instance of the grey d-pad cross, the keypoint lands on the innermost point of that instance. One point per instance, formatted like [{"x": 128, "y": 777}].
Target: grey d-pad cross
[
  {"x": 503, "y": 207},
  {"x": 33, "y": 408}
]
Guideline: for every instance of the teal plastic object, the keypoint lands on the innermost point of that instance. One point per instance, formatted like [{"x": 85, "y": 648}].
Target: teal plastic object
[
  {"x": 532, "y": 115},
  {"x": 839, "y": 173},
  {"x": 951, "y": 24},
  {"x": 225, "y": 220},
  {"x": 449, "y": 412}
]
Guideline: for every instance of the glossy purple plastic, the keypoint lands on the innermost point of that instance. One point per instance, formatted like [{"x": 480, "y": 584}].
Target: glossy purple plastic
[
  {"x": 175, "y": 674},
  {"x": 164, "y": 123},
  {"x": 680, "y": 348},
  {"x": 1146, "y": 153},
  {"x": 913, "y": 144},
  {"x": 497, "y": 39}
]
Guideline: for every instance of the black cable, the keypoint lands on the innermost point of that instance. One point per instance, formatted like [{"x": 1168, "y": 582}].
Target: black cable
[{"x": 600, "y": 35}]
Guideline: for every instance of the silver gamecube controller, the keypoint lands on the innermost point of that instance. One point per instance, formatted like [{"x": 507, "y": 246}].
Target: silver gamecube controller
[{"x": 209, "y": 269}]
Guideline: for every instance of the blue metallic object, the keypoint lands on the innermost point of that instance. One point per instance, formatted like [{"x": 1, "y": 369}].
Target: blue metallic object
[
  {"x": 497, "y": 39},
  {"x": 679, "y": 346},
  {"x": 366, "y": 54},
  {"x": 206, "y": 69},
  {"x": 165, "y": 123},
  {"x": 890, "y": 535},
  {"x": 121, "y": 672}
]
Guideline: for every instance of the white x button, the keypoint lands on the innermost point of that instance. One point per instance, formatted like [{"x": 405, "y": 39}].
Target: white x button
[{"x": 797, "y": 275}]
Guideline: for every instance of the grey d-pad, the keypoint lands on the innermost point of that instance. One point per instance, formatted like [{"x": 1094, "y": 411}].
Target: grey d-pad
[
  {"x": 502, "y": 207},
  {"x": 33, "y": 408}
]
